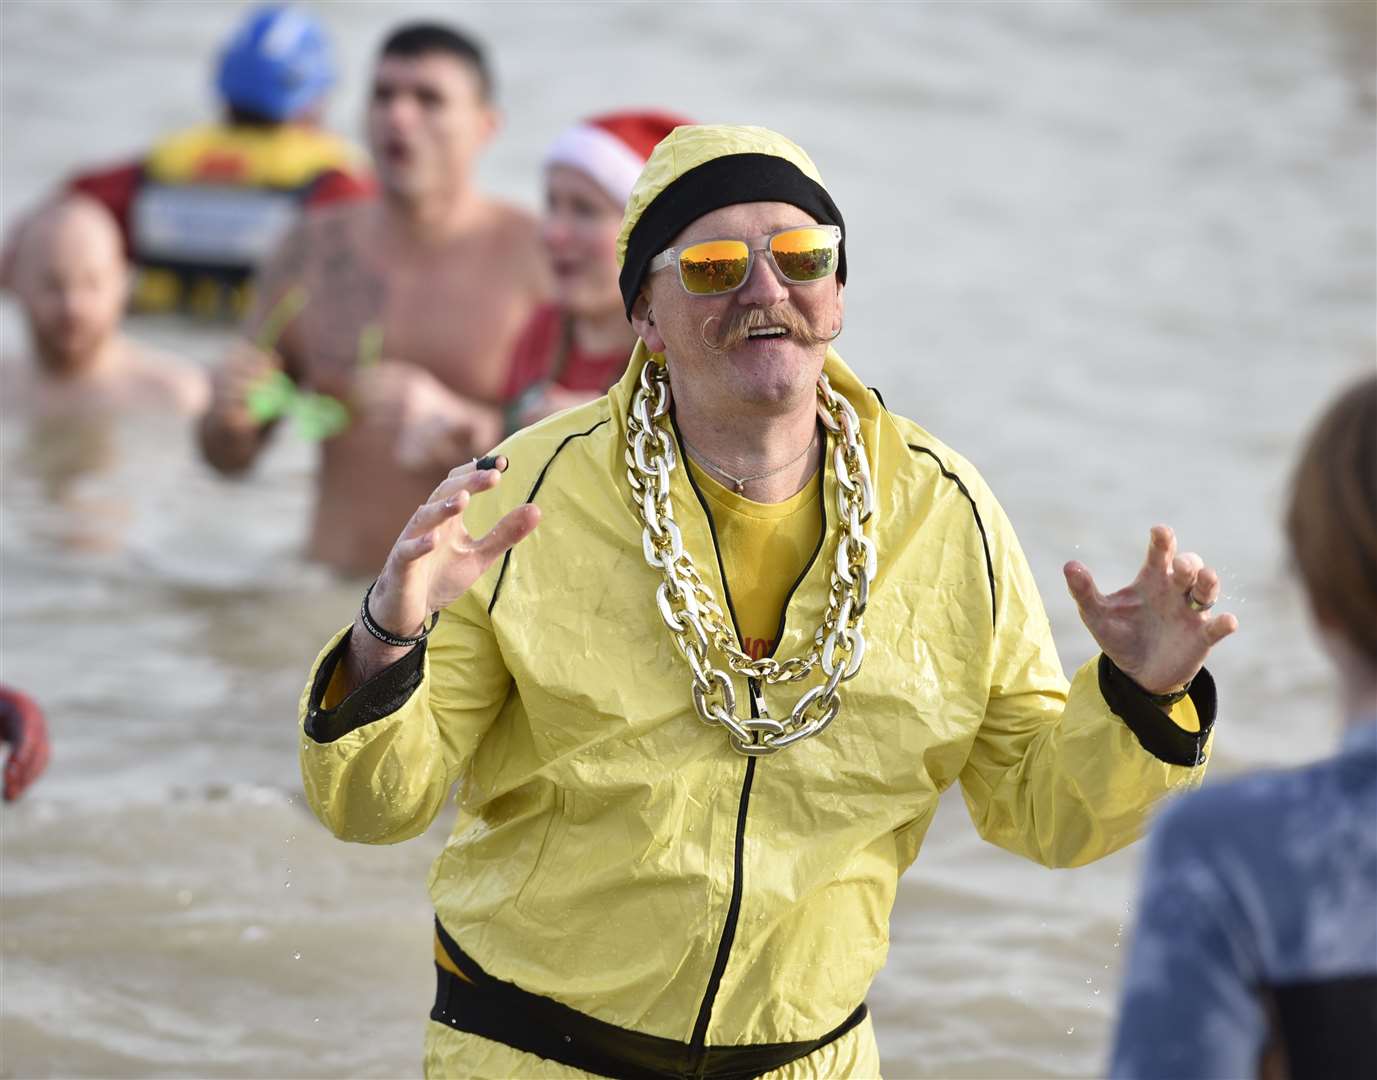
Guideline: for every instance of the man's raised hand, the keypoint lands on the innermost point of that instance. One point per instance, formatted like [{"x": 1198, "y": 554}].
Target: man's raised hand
[
  {"x": 1159, "y": 628},
  {"x": 433, "y": 563}
]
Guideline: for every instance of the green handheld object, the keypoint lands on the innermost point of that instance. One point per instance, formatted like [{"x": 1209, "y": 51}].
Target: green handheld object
[
  {"x": 271, "y": 397},
  {"x": 316, "y": 416},
  {"x": 319, "y": 416}
]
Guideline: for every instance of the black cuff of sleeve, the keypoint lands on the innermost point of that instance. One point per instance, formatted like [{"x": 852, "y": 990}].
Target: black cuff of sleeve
[
  {"x": 1155, "y": 731},
  {"x": 380, "y": 696}
]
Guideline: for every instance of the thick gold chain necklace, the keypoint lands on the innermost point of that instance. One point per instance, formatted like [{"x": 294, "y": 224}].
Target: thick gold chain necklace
[{"x": 692, "y": 613}]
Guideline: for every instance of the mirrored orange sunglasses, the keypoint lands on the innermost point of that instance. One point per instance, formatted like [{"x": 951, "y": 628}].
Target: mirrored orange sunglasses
[{"x": 800, "y": 256}]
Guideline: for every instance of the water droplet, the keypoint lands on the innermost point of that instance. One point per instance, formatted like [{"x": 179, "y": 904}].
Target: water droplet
[
  {"x": 1097, "y": 991},
  {"x": 287, "y": 885},
  {"x": 1071, "y": 1031},
  {"x": 316, "y": 1020},
  {"x": 568, "y": 1038},
  {"x": 1116, "y": 944},
  {"x": 1088, "y": 980},
  {"x": 296, "y": 956}
]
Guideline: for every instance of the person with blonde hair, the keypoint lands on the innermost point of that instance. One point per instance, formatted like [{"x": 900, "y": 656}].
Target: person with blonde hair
[{"x": 1256, "y": 948}]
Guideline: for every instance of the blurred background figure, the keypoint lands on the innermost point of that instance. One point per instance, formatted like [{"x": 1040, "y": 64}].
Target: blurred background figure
[
  {"x": 206, "y": 205},
  {"x": 577, "y": 346},
  {"x": 395, "y": 315},
  {"x": 71, "y": 279},
  {"x": 22, "y": 729},
  {"x": 1256, "y": 949}
]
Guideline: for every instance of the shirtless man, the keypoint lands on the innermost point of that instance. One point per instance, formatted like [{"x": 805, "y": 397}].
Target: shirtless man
[
  {"x": 404, "y": 308},
  {"x": 72, "y": 281}
]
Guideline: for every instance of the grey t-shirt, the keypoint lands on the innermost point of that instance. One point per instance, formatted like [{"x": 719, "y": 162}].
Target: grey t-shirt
[{"x": 1258, "y": 913}]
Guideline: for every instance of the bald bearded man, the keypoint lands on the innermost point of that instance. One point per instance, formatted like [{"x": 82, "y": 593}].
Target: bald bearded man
[{"x": 72, "y": 281}]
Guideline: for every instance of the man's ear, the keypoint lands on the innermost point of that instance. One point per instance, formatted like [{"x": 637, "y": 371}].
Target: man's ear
[
  {"x": 643, "y": 322},
  {"x": 490, "y": 124}
]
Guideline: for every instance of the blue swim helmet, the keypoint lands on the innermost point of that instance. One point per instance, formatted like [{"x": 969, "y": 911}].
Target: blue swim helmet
[{"x": 278, "y": 63}]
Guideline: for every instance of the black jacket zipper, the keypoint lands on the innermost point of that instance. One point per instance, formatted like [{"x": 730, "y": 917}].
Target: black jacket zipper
[{"x": 698, "y": 1042}]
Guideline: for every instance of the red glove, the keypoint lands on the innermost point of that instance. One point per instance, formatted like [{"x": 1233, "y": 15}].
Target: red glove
[{"x": 22, "y": 726}]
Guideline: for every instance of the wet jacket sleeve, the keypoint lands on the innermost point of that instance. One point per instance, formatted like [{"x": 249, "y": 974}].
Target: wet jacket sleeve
[
  {"x": 1065, "y": 775},
  {"x": 378, "y": 765}
]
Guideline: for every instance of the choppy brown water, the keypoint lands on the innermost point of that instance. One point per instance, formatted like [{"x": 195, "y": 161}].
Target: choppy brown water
[{"x": 1117, "y": 254}]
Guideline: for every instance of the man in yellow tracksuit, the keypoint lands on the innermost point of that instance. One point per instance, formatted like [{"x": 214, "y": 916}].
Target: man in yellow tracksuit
[{"x": 700, "y": 718}]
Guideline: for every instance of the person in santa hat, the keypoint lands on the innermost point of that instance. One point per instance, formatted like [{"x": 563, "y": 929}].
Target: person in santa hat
[{"x": 574, "y": 348}]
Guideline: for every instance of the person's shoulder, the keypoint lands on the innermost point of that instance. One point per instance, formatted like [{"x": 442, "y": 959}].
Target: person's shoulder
[
  {"x": 929, "y": 455},
  {"x": 1244, "y": 811},
  {"x": 510, "y": 223},
  {"x": 508, "y": 238},
  {"x": 1207, "y": 806},
  {"x": 919, "y": 440},
  {"x": 167, "y": 381},
  {"x": 1294, "y": 848},
  {"x": 327, "y": 228}
]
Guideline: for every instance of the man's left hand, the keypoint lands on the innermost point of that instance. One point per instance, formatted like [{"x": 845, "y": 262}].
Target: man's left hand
[{"x": 1159, "y": 629}]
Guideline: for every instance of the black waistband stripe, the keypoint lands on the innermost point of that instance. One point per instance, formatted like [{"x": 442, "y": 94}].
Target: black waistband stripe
[{"x": 505, "y": 1013}]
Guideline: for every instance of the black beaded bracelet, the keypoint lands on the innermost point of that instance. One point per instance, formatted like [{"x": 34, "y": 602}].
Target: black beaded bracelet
[
  {"x": 1164, "y": 700},
  {"x": 391, "y": 639}
]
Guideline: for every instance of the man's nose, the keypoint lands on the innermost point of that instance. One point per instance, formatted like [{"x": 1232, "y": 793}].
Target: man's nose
[
  {"x": 400, "y": 111},
  {"x": 71, "y": 303},
  {"x": 557, "y": 230},
  {"x": 763, "y": 288}
]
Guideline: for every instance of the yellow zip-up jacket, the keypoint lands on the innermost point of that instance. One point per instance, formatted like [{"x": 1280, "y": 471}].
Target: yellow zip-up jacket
[{"x": 615, "y": 854}]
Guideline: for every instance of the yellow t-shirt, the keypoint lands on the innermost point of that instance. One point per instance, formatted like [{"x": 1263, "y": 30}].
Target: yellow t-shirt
[{"x": 765, "y": 549}]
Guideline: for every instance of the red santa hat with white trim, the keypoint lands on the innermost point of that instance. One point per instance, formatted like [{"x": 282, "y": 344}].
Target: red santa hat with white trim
[{"x": 613, "y": 149}]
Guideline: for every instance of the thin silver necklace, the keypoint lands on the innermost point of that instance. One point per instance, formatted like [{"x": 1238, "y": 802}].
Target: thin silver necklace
[{"x": 739, "y": 482}]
